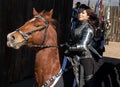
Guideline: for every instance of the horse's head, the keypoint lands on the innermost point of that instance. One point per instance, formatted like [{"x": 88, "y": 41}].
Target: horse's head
[{"x": 32, "y": 32}]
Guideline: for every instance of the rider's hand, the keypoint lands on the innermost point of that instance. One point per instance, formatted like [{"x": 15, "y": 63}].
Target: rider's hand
[{"x": 65, "y": 46}]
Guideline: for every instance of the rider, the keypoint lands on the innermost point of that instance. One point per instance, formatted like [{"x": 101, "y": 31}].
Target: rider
[{"x": 81, "y": 37}]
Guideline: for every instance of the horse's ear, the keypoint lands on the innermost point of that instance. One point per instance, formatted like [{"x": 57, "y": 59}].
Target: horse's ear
[
  {"x": 43, "y": 11},
  {"x": 35, "y": 12},
  {"x": 51, "y": 12}
]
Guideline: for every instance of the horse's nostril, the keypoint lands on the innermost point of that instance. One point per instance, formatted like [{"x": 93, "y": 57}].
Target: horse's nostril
[{"x": 12, "y": 37}]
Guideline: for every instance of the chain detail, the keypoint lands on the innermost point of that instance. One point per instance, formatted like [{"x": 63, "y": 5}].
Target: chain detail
[{"x": 53, "y": 78}]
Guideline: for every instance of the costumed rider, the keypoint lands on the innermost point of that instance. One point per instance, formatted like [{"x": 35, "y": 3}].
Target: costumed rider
[{"x": 81, "y": 47}]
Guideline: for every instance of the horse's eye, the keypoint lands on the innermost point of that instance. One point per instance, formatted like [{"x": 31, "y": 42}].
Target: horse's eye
[{"x": 36, "y": 25}]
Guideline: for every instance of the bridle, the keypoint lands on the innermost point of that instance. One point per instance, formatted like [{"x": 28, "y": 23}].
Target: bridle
[{"x": 26, "y": 35}]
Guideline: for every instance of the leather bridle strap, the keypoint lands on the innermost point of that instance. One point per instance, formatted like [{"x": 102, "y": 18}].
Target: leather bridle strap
[{"x": 26, "y": 35}]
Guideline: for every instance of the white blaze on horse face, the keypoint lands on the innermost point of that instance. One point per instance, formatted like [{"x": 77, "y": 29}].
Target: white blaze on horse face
[{"x": 33, "y": 19}]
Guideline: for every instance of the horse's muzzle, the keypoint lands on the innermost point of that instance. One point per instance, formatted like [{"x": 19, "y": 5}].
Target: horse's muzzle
[{"x": 11, "y": 42}]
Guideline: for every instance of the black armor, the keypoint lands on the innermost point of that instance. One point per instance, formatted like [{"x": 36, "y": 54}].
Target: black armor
[
  {"x": 82, "y": 37},
  {"x": 80, "y": 50}
]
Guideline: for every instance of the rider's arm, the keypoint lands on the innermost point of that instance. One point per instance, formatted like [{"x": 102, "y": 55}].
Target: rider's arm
[{"x": 87, "y": 34}]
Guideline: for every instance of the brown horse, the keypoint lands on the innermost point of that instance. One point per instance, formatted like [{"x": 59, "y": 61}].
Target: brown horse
[{"x": 40, "y": 33}]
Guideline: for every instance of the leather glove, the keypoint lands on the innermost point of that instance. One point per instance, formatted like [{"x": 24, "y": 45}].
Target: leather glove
[{"x": 65, "y": 46}]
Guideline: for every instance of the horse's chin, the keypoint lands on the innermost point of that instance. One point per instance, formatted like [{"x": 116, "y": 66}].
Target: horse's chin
[{"x": 15, "y": 45}]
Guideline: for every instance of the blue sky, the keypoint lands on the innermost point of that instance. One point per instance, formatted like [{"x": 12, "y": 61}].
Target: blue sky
[{"x": 105, "y": 2}]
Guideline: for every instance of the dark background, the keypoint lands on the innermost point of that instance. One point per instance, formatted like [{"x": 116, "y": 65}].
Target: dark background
[{"x": 17, "y": 65}]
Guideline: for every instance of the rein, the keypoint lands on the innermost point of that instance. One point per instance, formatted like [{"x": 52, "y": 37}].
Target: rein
[
  {"x": 45, "y": 46},
  {"x": 41, "y": 46}
]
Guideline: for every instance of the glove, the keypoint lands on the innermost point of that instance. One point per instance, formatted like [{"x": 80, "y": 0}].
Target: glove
[
  {"x": 66, "y": 49},
  {"x": 65, "y": 46}
]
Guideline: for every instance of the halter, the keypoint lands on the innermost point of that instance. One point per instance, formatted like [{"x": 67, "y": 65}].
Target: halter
[{"x": 26, "y": 35}]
